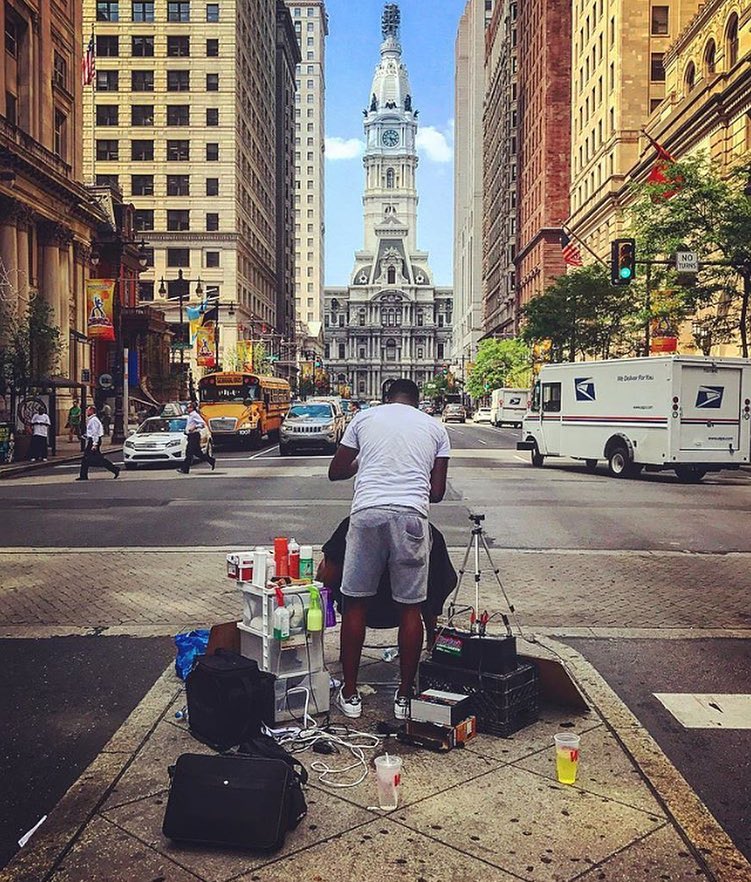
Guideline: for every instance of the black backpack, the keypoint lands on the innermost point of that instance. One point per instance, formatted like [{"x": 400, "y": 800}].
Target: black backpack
[
  {"x": 228, "y": 699},
  {"x": 263, "y": 746}
]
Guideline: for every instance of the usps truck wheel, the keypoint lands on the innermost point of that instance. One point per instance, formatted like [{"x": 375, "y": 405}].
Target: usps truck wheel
[
  {"x": 619, "y": 462},
  {"x": 537, "y": 458}
]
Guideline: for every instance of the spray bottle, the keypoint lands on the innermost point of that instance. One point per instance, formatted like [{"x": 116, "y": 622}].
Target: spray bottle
[
  {"x": 280, "y": 617},
  {"x": 306, "y": 562},
  {"x": 294, "y": 559},
  {"x": 315, "y": 613}
]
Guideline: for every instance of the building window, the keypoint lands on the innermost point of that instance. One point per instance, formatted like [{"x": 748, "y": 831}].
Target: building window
[
  {"x": 107, "y": 47},
  {"x": 212, "y": 259},
  {"x": 689, "y": 78},
  {"x": 660, "y": 19},
  {"x": 178, "y": 47},
  {"x": 654, "y": 103},
  {"x": 178, "y": 220},
  {"x": 107, "y": 114},
  {"x": 143, "y": 220},
  {"x": 212, "y": 116},
  {"x": 212, "y": 12},
  {"x": 142, "y": 115},
  {"x": 148, "y": 256},
  {"x": 61, "y": 125},
  {"x": 212, "y": 48},
  {"x": 390, "y": 350},
  {"x": 212, "y": 82},
  {"x": 212, "y": 152},
  {"x": 178, "y": 80},
  {"x": 107, "y": 80},
  {"x": 212, "y": 186},
  {"x": 142, "y": 47},
  {"x": 178, "y": 185},
  {"x": 178, "y": 257},
  {"x": 60, "y": 71},
  {"x": 178, "y": 10},
  {"x": 390, "y": 177},
  {"x": 142, "y": 81},
  {"x": 142, "y": 151},
  {"x": 342, "y": 350},
  {"x": 107, "y": 151},
  {"x": 731, "y": 41},
  {"x": 657, "y": 68},
  {"x": 178, "y": 151},
  {"x": 107, "y": 180},
  {"x": 143, "y": 11},
  {"x": 710, "y": 54},
  {"x": 11, "y": 36},
  {"x": 108, "y": 10},
  {"x": 212, "y": 221},
  {"x": 391, "y": 276},
  {"x": 178, "y": 114},
  {"x": 142, "y": 185},
  {"x": 145, "y": 292}
]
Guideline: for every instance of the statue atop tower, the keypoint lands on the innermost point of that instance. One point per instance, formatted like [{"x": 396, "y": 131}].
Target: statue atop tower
[{"x": 390, "y": 21}]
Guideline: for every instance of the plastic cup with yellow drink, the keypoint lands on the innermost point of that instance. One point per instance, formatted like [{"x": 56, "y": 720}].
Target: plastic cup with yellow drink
[{"x": 566, "y": 757}]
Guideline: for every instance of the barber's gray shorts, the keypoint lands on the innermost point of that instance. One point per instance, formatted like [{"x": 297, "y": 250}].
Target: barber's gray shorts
[{"x": 397, "y": 539}]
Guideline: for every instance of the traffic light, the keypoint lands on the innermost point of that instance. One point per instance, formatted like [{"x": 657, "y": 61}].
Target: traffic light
[{"x": 622, "y": 262}]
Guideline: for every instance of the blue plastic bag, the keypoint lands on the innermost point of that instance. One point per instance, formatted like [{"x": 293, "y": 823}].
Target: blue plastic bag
[{"x": 189, "y": 646}]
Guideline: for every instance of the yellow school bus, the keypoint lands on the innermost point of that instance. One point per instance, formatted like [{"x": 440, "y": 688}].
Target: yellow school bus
[{"x": 243, "y": 407}]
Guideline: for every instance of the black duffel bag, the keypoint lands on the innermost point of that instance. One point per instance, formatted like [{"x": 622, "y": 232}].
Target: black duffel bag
[
  {"x": 228, "y": 699},
  {"x": 231, "y": 801}
]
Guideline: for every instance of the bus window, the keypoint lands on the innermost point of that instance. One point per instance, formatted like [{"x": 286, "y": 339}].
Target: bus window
[{"x": 228, "y": 394}]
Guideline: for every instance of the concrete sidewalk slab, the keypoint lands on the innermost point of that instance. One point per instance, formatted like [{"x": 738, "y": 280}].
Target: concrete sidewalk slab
[{"x": 493, "y": 811}]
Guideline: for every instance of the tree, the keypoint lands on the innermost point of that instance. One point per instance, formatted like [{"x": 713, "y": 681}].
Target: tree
[
  {"x": 700, "y": 209},
  {"x": 33, "y": 346},
  {"x": 582, "y": 314},
  {"x": 434, "y": 388},
  {"x": 500, "y": 363}
]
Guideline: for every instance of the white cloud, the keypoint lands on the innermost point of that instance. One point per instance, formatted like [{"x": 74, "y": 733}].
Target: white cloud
[
  {"x": 344, "y": 148},
  {"x": 434, "y": 144}
]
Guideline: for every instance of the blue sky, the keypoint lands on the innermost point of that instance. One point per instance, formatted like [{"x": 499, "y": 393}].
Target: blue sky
[{"x": 352, "y": 51}]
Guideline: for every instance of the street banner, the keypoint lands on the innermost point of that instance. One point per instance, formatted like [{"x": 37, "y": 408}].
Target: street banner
[
  {"x": 205, "y": 346},
  {"x": 306, "y": 370},
  {"x": 663, "y": 334},
  {"x": 100, "y": 298},
  {"x": 245, "y": 354},
  {"x": 195, "y": 319}
]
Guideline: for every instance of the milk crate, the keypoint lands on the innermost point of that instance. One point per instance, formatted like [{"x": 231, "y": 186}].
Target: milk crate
[{"x": 300, "y": 654}]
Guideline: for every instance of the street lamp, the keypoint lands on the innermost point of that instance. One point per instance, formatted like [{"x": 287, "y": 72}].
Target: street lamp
[{"x": 180, "y": 286}]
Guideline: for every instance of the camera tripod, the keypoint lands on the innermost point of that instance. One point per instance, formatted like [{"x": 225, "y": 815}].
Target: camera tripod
[{"x": 479, "y": 621}]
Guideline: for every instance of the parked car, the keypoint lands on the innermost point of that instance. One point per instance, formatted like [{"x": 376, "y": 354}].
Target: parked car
[
  {"x": 315, "y": 425},
  {"x": 161, "y": 439},
  {"x": 454, "y": 413},
  {"x": 482, "y": 415}
]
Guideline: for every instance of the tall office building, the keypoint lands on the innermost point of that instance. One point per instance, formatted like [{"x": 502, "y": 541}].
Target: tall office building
[
  {"x": 544, "y": 132},
  {"x": 183, "y": 120},
  {"x": 311, "y": 26},
  {"x": 500, "y": 139},
  {"x": 468, "y": 180}
]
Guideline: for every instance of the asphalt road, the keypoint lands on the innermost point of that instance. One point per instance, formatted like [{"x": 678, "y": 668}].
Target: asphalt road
[{"x": 715, "y": 762}]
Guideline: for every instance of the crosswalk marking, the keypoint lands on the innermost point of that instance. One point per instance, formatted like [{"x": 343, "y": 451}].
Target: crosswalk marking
[{"x": 708, "y": 710}]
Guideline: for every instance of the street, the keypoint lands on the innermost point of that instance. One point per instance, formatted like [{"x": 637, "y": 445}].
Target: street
[{"x": 117, "y": 567}]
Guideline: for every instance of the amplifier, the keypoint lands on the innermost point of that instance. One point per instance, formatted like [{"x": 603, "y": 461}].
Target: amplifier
[{"x": 489, "y": 655}]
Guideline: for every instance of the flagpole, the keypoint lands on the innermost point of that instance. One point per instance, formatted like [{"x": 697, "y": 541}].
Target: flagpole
[{"x": 571, "y": 233}]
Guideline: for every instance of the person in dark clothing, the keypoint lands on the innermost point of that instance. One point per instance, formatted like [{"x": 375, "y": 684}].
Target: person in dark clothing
[{"x": 383, "y": 611}]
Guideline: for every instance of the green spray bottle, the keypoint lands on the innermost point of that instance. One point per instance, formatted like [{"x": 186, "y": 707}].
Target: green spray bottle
[{"x": 315, "y": 612}]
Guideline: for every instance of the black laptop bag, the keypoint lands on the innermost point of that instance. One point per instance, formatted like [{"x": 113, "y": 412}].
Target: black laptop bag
[
  {"x": 232, "y": 801},
  {"x": 228, "y": 699}
]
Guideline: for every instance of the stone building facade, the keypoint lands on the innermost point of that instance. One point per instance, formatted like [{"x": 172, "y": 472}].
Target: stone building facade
[
  {"x": 391, "y": 321},
  {"x": 47, "y": 221}
]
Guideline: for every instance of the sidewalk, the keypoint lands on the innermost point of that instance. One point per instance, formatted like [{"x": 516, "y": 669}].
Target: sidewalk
[
  {"x": 66, "y": 451},
  {"x": 493, "y": 811}
]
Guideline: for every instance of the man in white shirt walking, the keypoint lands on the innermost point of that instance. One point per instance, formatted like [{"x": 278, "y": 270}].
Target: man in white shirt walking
[
  {"x": 193, "y": 428},
  {"x": 92, "y": 454},
  {"x": 40, "y": 426},
  {"x": 399, "y": 458}
]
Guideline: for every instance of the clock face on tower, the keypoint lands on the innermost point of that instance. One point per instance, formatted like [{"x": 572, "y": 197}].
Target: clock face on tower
[{"x": 390, "y": 138}]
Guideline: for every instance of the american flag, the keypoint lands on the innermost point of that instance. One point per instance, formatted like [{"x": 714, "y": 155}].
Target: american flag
[
  {"x": 88, "y": 64},
  {"x": 570, "y": 251}
]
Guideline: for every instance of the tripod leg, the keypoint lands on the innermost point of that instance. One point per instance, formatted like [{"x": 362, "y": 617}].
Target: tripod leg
[
  {"x": 462, "y": 570},
  {"x": 496, "y": 573}
]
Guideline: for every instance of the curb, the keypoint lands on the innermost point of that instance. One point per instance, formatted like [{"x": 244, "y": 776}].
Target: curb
[
  {"x": 38, "y": 861},
  {"x": 711, "y": 845},
  {"x": 24, "y": 467}
]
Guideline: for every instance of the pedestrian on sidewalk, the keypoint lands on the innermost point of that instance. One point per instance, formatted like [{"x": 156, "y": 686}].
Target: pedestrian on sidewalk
[
  {"x": 92, "y": 455},
  {"x": 193, "y": 428},
  {"x": 399, "y": 458},
  {"x": 74, "y": 421},
  {"x": 106, "y": 418},
  {"x": 40, "y": 426}
]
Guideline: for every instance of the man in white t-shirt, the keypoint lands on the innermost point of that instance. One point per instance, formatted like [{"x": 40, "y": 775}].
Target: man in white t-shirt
[
  {"x": 399, "y": 458},
  {"x": 40, "y": 427}
]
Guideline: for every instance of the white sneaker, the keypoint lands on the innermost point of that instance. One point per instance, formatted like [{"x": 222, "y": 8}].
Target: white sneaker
[
  {"x": 401, "y": 706},
  {"x": 351, "y": 707}
]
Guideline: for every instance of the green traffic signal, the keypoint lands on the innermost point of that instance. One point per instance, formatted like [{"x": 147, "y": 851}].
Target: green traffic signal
[
  {"x": 625, "y": 272},
  {"x": 622, "y": 261}
]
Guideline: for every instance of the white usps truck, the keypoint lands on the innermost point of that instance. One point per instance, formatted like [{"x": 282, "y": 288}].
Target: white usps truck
[
  {"x": 691, "y": 414},
  {"x": 508, "y": 406}
]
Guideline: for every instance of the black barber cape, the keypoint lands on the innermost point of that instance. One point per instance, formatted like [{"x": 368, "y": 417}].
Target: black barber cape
[{"x": 383, "y": 611}]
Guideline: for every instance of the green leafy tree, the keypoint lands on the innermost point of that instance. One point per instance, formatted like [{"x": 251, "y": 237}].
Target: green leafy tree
[
  {"x": 500, "y": 363},
  {"x": 583, "y": 315},
  {"x": 434, "y": 388},
  {"x": 700, "y": 209},
  {"x": 32, "y": 346}
]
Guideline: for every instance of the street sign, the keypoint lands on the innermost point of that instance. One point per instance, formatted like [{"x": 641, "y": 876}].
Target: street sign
[
  {"x": 106, "y": 381},
  {"x": 686, "y": 262},
  {"x": 85, "y": 375}
]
